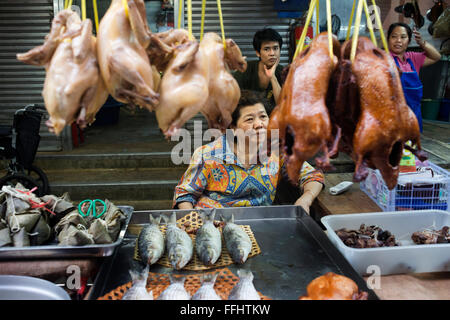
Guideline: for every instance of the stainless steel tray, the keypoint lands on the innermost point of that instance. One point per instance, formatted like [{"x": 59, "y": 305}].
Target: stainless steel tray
[
  {"x": 56, "y": 251},
  {"x": 294, "y": 251},
  {"x": 29, "y": 288}
]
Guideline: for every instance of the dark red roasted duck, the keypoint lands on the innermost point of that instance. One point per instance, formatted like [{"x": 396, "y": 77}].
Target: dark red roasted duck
[
  {"x": 368, "y": 104},
  {"x": 302, "y": 115}
]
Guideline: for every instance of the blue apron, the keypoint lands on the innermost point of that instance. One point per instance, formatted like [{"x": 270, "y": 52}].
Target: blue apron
[{"x": 413, "y": 90}]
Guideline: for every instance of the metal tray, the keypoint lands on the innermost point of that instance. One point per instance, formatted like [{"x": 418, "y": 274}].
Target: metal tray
[
  {"x": 56, "y": 251},
  {"x": 29, "y": 288},
  {"x": 294, "y": 251}
]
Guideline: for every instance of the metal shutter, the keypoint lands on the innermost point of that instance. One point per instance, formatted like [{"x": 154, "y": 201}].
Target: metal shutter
[
  {"x": 23, "y": 25},
  {"x": 241, "y": 20}
]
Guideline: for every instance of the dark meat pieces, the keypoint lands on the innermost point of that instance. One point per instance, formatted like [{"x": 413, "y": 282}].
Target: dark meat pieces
[
  {"x": 366, "y": 237},
  {"x": 431, "y": 236}
]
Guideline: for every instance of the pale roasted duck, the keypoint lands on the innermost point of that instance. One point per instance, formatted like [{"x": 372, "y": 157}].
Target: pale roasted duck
[
  {"x": 73, "y": 87},
  {"x": 197, "y": 80},
  {"x": 122, "y": 41}
]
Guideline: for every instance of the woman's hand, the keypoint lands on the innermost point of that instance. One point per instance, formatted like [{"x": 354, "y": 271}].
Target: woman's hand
[
  {"x": 305, "y": 201},
  {"x": 432, "y": 55},
  {"x": 418, "y": 38},
  {"x": 270, "y": 72},
  {"x": 310, "y": 191}
]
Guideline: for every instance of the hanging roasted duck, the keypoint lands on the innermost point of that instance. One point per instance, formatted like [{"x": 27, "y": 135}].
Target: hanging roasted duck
[
  {"x": 122, "y": 41},
  {"x": 301, "y": 115},
  {"x": 73, "y": 87},
  {"x": 370, "y": 108},
  {"x": 197, "y": 79}
]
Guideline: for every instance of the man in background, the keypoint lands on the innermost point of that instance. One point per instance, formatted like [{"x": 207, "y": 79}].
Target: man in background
[{"x": 264, "y": 75}]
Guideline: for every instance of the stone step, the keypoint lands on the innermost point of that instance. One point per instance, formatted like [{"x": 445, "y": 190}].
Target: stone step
[
  {"x": 163, "y": 160},
  {"x": 136, "y": 175},
  {"x": 136, "y": 190},
  {"x": 119, "y": 184},
  {"x": 106, "y": 161}
]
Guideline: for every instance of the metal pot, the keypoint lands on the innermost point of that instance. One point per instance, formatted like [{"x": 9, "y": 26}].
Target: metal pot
[{"x": 29, "y": 288}]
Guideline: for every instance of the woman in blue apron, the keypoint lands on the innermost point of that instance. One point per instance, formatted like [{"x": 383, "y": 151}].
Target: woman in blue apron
[{"x": 409, "y": 63}]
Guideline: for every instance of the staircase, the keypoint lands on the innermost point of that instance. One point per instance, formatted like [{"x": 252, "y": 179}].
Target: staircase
[{"x": 145, "y": 181}]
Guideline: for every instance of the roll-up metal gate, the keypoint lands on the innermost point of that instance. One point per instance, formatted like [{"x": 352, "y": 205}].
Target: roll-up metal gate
[
  {"x": 241, "y": 20},
  {"x": 23, "y": 25}
]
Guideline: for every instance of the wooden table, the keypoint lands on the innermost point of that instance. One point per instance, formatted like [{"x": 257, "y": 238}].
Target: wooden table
[
  {"x": 351, "y": 201},
  {"x": 427, "y": 286}
]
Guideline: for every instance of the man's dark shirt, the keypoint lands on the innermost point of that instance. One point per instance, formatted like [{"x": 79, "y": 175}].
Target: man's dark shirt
[{"x": 249, "y": 80}]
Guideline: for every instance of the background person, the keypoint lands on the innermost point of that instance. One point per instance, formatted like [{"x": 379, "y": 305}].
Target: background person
[
  {"x": 221, "y": 176},
  {"x": 409, "y": 63},
  {"x": 264, "y": 75}
]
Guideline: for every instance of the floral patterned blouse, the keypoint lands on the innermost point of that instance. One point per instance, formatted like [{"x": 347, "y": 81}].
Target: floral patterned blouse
[{"x": 216, "y": 178}]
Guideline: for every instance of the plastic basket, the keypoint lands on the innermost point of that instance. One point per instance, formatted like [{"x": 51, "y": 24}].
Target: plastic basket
[{"x": 432, "y": 193}]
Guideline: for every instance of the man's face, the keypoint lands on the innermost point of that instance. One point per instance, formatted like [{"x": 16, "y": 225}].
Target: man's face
[{"x": 269, "y": 53}]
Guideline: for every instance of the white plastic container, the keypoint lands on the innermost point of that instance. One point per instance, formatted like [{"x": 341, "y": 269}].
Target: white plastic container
[{"x": 406, "y": 258}]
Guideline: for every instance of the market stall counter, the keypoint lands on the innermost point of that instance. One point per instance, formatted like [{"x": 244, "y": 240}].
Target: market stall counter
[{"x": 294, "y": 251}]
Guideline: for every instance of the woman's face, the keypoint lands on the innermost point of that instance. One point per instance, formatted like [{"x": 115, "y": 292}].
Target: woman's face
[
  {"x": 253, "y": 117},
  {"x": 398, "y": 40}
]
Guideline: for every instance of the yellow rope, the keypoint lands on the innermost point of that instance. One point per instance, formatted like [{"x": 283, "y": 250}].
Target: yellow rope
[
  {"x": 83, "y": 9},
  {"x": 69, "y": 5},
  {"x": 351, "y": 21},
  {"x": 203, "y": 19},
  {"x": 356, "y": 33},
  {"x": 219, "y": 9},
  {"x": 380, "y": 26},
  {"x": 369, "y": 24},
  {"x": 94, "y": 4},
  {"x": 66, "y": 2},
  {"x": 305, "y": 28},
  {"x": 330, "y": 33},
  {"x": 180, "y": 7},
  {"x": 190, "y": 19},
  {"x": 125, "y": 7}
]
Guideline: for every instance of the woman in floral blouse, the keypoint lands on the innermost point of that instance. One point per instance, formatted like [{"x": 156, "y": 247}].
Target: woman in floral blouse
[{"x": 229, "y": 173}]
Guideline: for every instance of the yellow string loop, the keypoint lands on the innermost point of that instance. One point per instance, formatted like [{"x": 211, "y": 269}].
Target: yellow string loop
[
  {"x": 180, "y": 10},
  {"x": 300, "y": 44},
  {"x": 83, "y": 10},
  {"x": 219, "y": 9},
  {"x": 203, "y": 19},
  {"x": 356, "y": 33},
  {"x": 330, "y": 33},
  {"x": 380, "y": 26},
  {"x": 94, "y": 4},
  {"x": 369, "y": 24},
  {"x": 351, "y": 21},
  {"x": 125, "y": 7}
]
